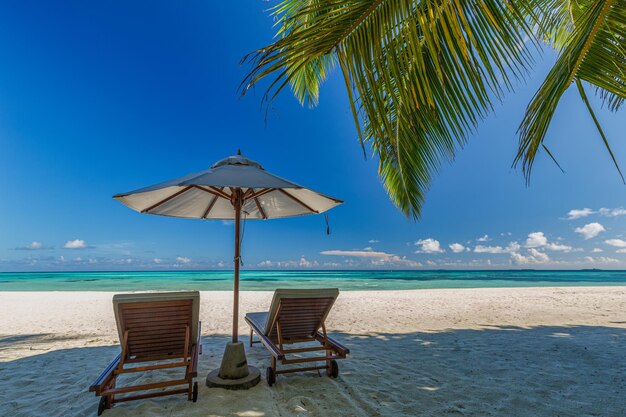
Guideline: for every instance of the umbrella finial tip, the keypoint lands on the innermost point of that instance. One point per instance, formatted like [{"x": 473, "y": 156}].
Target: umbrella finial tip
[{"x": 238, "y": 151}]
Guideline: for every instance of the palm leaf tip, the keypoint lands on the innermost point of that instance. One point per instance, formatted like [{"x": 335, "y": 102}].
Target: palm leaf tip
[{"x": 594, "y": 52}]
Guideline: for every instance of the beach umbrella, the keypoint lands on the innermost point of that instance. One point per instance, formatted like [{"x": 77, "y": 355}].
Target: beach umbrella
[{"x": 233, "y": 187}]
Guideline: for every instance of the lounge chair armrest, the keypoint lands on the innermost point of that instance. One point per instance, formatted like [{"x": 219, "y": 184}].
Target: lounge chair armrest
[
  {"x": 335, "y": 344},
  {"x": 194, "y": 360},
  {"x": 267, "y": 342},
  {"x": 106, "y": 375}
]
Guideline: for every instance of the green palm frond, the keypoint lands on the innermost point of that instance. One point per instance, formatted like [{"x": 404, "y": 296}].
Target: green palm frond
[
  {"x": 594, "y": 52},
  {"x": 557, "y": 21},
  {"x": 420, "y": 75}
]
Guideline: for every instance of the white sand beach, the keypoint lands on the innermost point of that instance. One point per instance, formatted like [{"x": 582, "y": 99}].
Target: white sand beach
[{"x": 470, "y": 352}]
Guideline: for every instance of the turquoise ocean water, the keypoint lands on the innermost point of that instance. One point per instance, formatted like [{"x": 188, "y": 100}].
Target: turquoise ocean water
[{"x": 269, "y": 280}]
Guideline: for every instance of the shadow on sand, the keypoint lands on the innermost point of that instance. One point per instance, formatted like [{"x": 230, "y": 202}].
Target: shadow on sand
[{"x": 496, "y": 371}]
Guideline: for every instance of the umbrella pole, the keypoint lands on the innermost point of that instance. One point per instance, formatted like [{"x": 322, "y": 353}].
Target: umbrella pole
[
  {"x": 237, "y": 204},
  {"x": 234, "y": 373}
]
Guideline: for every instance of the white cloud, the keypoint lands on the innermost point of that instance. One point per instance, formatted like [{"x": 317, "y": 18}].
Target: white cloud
[
  {"x": 606, "y": 212},
  {"x": 357, "y": 253},
  {"x": 539, "y": 240},
  {"x": 34, "y": 245},
  {"x": 600, "y": 260},
  {"x": 396, "y": 260},
  {"x": 457, "y": 247},
  {"x": 536, "y": 240},
  {"x": 596, "y": 250},
  {"x": 304, "y": 263},
  {"x": 618, "y": 243},
  {"x": 369, "y": 248},
  {"x": 157, "y": 260},
  {"x": 511, "y": 247},
  {"x": 557, "y": 247},
  {"x": 297, "y": 263},
  {"x": 75, "y": 244},
  {"x": 485, "y": 238},
  {"x": 428, "y": 246},
  {"x": 578, "y": 213},
  {"x": 489, "y": 249},
  {"x": 374, "y": 258},
  {"x": 539, "y": 257},
  {"x": 534, "y": 257},
  {"x": 621, "y": 250},
  {"x": 590, "y": 230},
  {"x": 183, "y": 259},
  {"x": 373, "y": 241},
  {"x": 616, "y": 212}
]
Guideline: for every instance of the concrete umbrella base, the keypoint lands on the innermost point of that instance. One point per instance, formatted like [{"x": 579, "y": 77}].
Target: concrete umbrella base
[{"x": 234, "y": 373}]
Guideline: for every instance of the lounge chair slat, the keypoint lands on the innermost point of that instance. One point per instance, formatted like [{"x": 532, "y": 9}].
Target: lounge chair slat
[
  {"x": 285, "y": 315},
  {"x": 158, "y": 304},
  {"x": 164, "y": 306},
  {"x": 156, "y": 331},
  {"x": 143, "y": 387},
  {"x": 135, "y": 328},
  {"x": 142, "y": 314},
  {"x": 151, "y": 395},
  {"x": 163, "y": 321},
  {"x": 164, "y": 344},
  {"x": 155, "y": 357},
  {"x": 156, "y": 344},
  {"x": 306, "y": 321},
  {"x": 152, "y": 367},
  {"x": 160, "y": 352},
  {"x": 163, "y": 338}
]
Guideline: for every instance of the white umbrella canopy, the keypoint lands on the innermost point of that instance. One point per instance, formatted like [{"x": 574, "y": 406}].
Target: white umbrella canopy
[
  {"x": 210, "y": 194},
  {"x": 231, "y": 187}
]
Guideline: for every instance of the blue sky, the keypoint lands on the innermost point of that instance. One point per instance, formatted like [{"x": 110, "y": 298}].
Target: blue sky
[{"x": 98, "y": 98}]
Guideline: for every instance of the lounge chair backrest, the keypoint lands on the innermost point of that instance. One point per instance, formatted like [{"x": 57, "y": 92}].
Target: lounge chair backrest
[
  {"x": 156, "y": 322},
  {"x": 300, "y": 312}
]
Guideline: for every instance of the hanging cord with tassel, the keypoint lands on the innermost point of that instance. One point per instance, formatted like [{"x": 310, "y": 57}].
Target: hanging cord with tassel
[
  {"x": 327, "y": 223},
  {"x": 243, "y": 233}
]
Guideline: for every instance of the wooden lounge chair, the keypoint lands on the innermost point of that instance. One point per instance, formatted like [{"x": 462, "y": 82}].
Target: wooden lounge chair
[
  {"x": 160, "y": 328},
  {"x": 296, "y": 316}
]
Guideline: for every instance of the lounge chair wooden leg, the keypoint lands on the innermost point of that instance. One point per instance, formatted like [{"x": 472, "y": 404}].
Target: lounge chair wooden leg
[
  {"x": 327, "y": 346},
  {"x": 251, "y": 336},
  {"x": 111, "y": 398}
]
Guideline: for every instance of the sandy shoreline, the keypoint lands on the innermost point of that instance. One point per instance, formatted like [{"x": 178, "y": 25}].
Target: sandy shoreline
[{"x": 459, "y": 352}]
